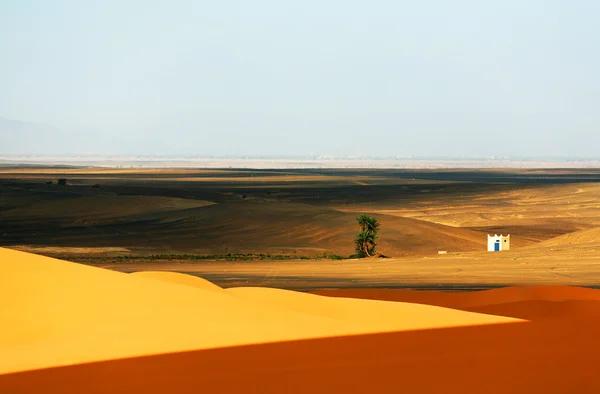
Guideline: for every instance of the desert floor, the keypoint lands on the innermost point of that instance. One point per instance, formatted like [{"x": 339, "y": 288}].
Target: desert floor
[{"x": 165, "y": 219}]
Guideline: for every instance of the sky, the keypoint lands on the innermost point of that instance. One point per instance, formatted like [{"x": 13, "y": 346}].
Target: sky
[{"x": 271, "y": 77}]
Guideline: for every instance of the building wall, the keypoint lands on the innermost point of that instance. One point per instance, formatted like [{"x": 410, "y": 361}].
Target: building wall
[
  {"x": 492, "y": 240},
  {"x": 504, "y": 242}
]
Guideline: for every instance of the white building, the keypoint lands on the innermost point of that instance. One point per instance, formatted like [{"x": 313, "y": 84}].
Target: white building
[{"x": 498, "y": 243}]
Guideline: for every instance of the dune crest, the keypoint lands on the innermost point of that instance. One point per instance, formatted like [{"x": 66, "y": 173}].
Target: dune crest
[
  {"x": 365, "y": 313},
  {"x": 177, "y": 278}
]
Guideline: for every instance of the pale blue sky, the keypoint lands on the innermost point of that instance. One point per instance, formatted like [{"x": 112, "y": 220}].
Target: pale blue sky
[{"x": 281, "y": 77}]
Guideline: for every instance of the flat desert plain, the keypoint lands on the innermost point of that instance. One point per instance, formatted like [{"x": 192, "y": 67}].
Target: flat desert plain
[{"x": 161, "y": 280}]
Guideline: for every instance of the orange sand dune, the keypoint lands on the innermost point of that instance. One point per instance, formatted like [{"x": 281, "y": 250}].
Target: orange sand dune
[
  {"x": 527, "y": 302},
  {"x": 56, "y": 313},
  {"x": 536, "y": 310}
]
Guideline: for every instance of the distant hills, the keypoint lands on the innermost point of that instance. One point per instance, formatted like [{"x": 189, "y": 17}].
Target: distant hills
[{"x": 27, "y": 138}]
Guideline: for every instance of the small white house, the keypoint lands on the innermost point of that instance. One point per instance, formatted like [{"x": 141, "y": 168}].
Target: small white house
[{"x": 498, "y": 243}]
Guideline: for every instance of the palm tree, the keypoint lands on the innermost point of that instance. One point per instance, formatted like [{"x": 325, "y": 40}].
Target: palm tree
[
  {"x": 369, "y": 232},
  {"x": 365, "y": 243},
  {"x": 362, "y": 220},
  {"x": 368, "y": 223}
]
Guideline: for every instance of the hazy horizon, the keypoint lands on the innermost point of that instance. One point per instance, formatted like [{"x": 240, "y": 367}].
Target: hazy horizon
[{"x": 184, "y": 78}]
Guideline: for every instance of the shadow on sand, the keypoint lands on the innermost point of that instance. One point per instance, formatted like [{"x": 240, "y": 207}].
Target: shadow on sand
[{"x": 555, "y": 356}]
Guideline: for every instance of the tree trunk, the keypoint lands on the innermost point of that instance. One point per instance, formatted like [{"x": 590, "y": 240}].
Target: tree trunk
[{"x": 366, "y": 249}]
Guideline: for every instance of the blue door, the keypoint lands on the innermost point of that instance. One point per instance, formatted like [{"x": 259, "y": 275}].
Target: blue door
[{"x": 497, "y": 246}]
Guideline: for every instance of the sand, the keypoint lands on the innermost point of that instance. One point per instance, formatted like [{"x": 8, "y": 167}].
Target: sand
[
  {"x": 74, "y": 328},
  {"x": 525, "y": 302},
  {"x": 558, "y": 357},
  {"x": 71, "y": 328},
  {"x": 181, "y": 279},
  {"x": 280, "y": 212},
  {"x": 60, "y": 313}
]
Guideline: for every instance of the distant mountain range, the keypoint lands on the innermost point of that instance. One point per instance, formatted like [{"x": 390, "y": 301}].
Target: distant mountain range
[
  {"x": 26, "y": 138},
  {"x": 19, "y": 138},
  {"x": 22, "y": 139}
]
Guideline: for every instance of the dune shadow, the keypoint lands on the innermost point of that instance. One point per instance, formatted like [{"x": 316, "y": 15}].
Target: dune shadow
[{"x": 549, "y": 357}]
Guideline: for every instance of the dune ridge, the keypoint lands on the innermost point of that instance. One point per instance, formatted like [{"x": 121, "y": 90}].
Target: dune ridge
[
  {"x": 177, "y": 278},
  {"x": 581, "y": 237},
  {"x": 525, "y": 302}
]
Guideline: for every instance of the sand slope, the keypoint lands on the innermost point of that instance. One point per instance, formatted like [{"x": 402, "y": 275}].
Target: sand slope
[
  {"x": 74, "y": 217},
  {"x": 395, "y": 316},
  {"x": 581, "y": 237},
  {"x": 526, "y": 302},
  {"x": 59, "y": 313},
  {"x": 103, "y": 208}
]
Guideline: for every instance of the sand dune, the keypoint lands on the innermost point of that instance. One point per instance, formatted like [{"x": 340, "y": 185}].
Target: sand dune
[
  {"x": 393, "y": 316},
  {"x": 59, "y": 313},
  {"x": 571, "y": 205},
  {"x": 537, "y": 310},
  {"x": 582, "y": 237},
  {"x": 71, "y": 328},
  {"x": 526, "y": 302},
  {"x": 475, "y": 298}
]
